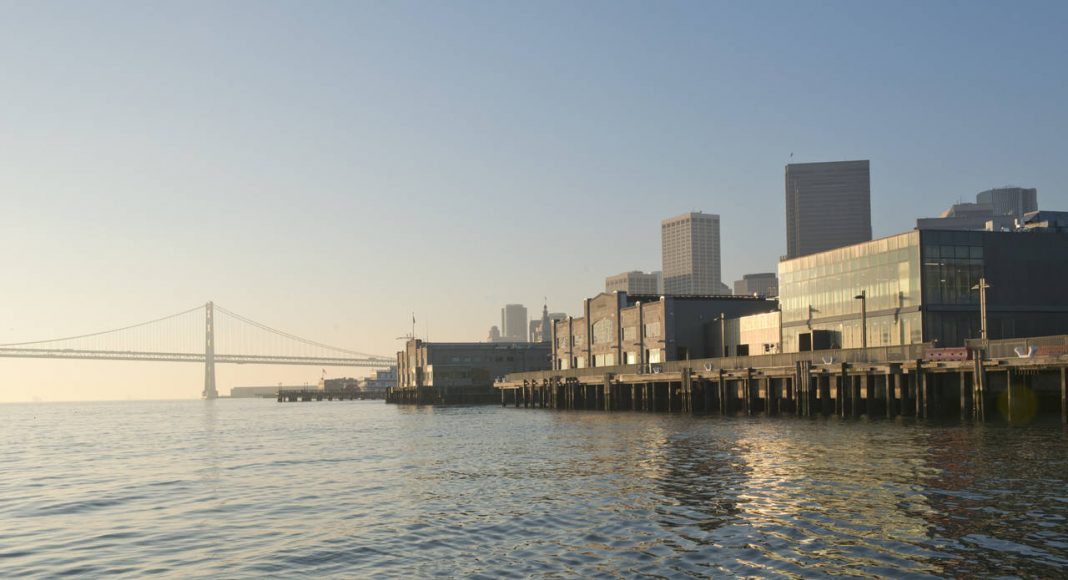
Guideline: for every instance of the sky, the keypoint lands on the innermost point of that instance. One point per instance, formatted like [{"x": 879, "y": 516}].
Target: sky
[{"x": 331, "y": 168}]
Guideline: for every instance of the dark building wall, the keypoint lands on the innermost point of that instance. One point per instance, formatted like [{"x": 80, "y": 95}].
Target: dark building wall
[
  {"x": 1028, "y": 277},
  {"x": 691, "y": 318},
  {"x": 468, "y": 365}
]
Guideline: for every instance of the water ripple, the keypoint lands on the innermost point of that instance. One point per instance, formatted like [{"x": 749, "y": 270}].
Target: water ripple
[{"x": 253, "y": 488}]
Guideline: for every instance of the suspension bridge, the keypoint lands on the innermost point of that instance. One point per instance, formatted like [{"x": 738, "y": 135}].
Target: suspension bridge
[{"x": 227, "y": 338}]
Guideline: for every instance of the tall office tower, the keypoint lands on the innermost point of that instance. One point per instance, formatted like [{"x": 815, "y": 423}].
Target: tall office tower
[
  {"x": 1009, "y": 201},
  {"x": 514, "y": 323},
  {"x": 690, "y": 251},
  {"x": 633, "y": 283},
  {"x": 828, "y": 205}
]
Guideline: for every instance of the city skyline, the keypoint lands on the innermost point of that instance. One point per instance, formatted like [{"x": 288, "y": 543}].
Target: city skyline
[{"x": 329, "y": 170}]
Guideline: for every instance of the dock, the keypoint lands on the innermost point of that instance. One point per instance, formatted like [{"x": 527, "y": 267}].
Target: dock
[
  {"x": 311, "y": 394},
  {"x": 1015, "y": 379}
]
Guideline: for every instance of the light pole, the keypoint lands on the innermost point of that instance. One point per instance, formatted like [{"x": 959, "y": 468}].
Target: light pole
[
  {"x": 981, "y": 287},
  {"x": 723, "y": 332},
  {"x": 863, "y": 297}
]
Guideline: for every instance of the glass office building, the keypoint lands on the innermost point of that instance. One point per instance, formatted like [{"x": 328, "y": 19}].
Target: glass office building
[{"x": 917, "y": 287}]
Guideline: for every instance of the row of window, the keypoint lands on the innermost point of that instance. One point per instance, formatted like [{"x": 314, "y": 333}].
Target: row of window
[
  {"x": 655, "y": 355},
  {"x": 602, "y": 334},
  {"x": 478, "y": 359}
]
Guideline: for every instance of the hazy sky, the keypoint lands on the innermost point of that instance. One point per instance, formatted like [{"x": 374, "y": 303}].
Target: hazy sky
[{"x": 329, "y": 168}]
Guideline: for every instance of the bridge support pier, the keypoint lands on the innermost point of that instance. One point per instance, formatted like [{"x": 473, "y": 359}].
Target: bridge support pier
[{"x": 209, "y": 354}]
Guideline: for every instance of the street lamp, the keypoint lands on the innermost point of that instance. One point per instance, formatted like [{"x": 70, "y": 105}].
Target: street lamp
[
  {"x": 723, "y": 333},
  {"x": 863, "y": 297},
  {"x": 981, "y": 287}
]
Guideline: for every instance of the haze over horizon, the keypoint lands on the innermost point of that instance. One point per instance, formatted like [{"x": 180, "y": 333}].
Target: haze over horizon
[{"x": 330, "y": 168}]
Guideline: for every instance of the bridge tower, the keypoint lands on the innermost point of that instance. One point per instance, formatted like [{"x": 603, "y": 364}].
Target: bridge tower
[{"x": 209, "y": 354}]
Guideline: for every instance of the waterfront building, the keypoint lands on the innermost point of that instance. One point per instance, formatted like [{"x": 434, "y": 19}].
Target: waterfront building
[
  {"x": 690, "y": 251},
  {"x": 465, "y": 371},
  {"x": 749, "y": 335},
  {"x": 828, "y": 205},
  {"x": 917, "y": 287},
  {"x": 998, "y": 209},
  {"x": 514, "y": 323},
  {"x": 376, "y": 386},
  {"x": 623, "y": 329},
  {"x": 763, "y": 284},
  {"x": 635, "y": 282}
]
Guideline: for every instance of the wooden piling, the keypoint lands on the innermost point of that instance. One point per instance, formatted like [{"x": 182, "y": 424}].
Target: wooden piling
[{"x": 1064, "y": 397}]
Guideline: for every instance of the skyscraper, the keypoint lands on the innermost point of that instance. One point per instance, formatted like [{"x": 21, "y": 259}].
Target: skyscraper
[
  {"x": 514, "y": 323},
  {"x": 828, "y": 205},
  {"x": 690, "y": 251},
  {"x": 1009, "y": 200}
]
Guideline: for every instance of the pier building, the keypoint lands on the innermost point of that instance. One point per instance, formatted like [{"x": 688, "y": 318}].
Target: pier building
[
  {"x": 920, "y": 286},
  {"x": 624, "y": 329},
  {"x": 460, "y": 372}
]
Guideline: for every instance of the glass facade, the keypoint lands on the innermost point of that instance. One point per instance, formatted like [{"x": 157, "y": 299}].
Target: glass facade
[
  {"x": 819, "y": 292},
  {"x": 952, "y": 264}
]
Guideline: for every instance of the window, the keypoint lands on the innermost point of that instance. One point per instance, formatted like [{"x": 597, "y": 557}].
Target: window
[
  {"x": 604, "y": 360},
  {"x": 652, "y": 329},
  {"x": 630, "y": 333},
  {"x": 602, "y": 331},
  {"x": 631, "y": 358}
]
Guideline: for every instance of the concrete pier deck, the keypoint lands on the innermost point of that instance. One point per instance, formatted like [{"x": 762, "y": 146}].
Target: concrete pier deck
[{"x": 1017, "y": 379}]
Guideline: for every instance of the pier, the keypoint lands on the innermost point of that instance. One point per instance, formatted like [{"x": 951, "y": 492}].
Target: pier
[
  {"x": 1016, "y": 379},
  {"x": 306, "y": 395}
]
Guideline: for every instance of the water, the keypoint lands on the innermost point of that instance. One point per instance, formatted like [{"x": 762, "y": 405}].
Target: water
[{"x": 248, "y": 488}]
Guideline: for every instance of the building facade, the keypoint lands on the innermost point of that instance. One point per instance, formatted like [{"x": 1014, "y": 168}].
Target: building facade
[
  {"x": 918, "y": 287},
  {"x": 514, "y": 323},
  {"x": 635, "y": 282},
  {"x": 764, "y": 284},
  {"x": 621, "y": 329},
  {"x": 828, "y": 205},
  {"x": 465, "y": 368},
  {"x": 376, "y": 386},
  {"x": 690, "y": 251},
  {"x": 749, "y": 335},
  {"x": 1009, "y": 201}
]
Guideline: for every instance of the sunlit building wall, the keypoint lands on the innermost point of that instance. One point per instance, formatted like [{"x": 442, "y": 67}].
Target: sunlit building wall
[{"x": 918, "y": 288}]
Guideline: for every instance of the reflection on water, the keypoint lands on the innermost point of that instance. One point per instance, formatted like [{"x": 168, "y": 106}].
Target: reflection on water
[{"x": 252, "y": 488}]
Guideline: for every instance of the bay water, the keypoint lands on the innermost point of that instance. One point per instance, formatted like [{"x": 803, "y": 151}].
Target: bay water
[{"x": 253, "y": 488}]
